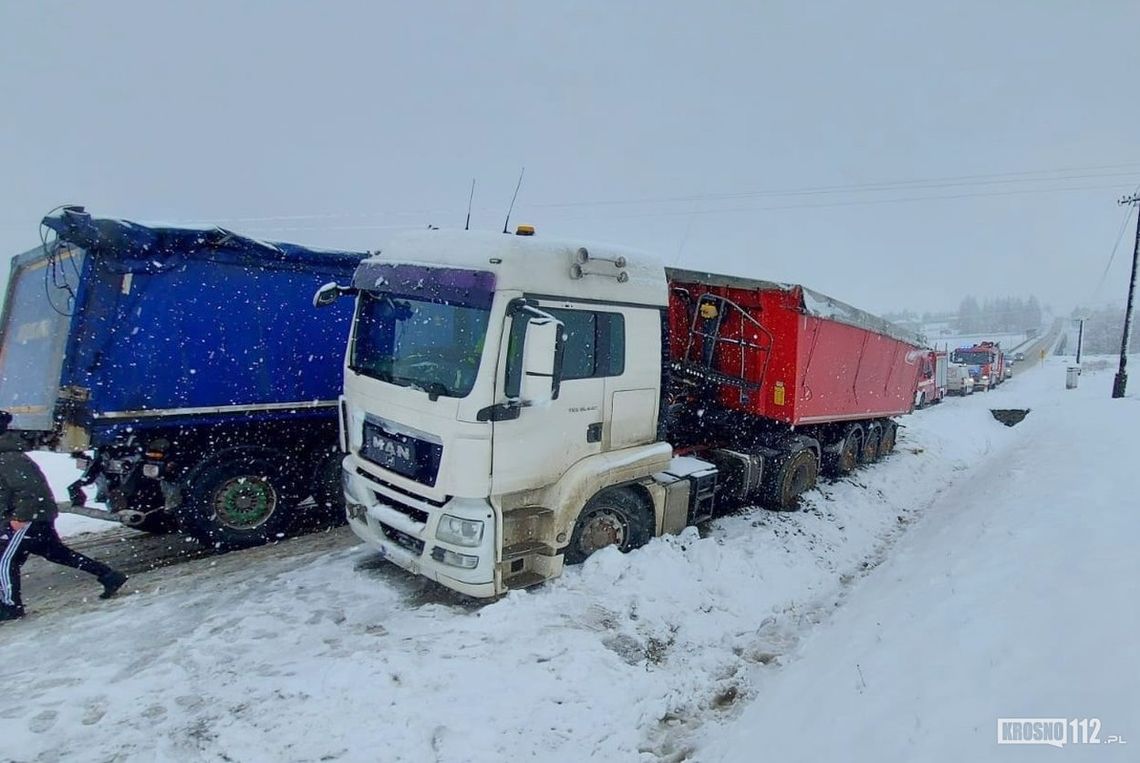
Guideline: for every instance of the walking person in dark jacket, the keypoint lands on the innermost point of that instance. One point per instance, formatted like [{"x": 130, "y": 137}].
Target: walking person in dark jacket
[{"x": 29, "y": 511}]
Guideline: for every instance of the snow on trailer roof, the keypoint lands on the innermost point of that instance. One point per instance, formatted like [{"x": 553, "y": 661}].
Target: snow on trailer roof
[
  {"x": 814, "y": 303},
  {"x": 154, "y": 246}
]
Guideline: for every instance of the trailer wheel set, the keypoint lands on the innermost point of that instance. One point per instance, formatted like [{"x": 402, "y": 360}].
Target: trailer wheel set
[{"x": 239, "y": 497}]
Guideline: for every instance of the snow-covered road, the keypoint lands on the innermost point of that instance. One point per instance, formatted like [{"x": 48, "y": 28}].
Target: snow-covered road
[{"x": 331, "y": 655}]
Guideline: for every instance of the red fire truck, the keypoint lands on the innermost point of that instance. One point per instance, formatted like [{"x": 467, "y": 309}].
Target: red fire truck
[
  {"x": 986, "y": 362},
  {"x": 931, "y": 379}
]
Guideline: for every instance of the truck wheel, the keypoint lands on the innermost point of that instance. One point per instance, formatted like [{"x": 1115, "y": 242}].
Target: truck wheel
[
  {"x": 613, "y": 517},
  {"x": 871, "y": 441},
  {"x": 847, "y": 459},
  {"x": 887, "y": 439},
  {"x": 237, "y": 499},
  {"x": 795, "y": 475}
]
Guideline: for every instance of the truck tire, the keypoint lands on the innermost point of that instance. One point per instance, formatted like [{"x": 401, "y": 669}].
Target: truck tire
[
  {"x": 614, "y": 517},
  {"x": 845, "y": 461},
  {"x": 871, "y": 441},
  {"x": 887, "y": 438},
  {"x": 239, "y": 498},
  {"x": 795, "y": 474}
]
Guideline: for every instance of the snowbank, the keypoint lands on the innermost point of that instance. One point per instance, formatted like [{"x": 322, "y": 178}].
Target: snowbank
[{"x": 1015, "y": 597}]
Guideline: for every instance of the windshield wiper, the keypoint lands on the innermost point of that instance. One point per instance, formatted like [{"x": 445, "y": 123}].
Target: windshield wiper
[{"x": 433, "y": 389}]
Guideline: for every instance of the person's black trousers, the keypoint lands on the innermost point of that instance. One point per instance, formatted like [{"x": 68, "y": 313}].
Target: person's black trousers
[{"x": 41, "y": 539}]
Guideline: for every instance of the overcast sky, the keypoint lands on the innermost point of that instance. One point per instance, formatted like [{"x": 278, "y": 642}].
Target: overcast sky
[{"x": 894, "y": 155}]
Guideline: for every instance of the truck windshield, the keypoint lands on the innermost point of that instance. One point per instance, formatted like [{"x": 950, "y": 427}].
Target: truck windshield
[
  {"x": 972, "y": 358},
  {"x": 429, "y": 344}
]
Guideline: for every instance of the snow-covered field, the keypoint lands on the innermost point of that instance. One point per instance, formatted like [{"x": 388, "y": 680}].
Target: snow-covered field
[{"x": 981, "y": 571}]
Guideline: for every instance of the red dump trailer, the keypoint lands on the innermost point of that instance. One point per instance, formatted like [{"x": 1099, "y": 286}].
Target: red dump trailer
[{"x": 781, "y": 368}]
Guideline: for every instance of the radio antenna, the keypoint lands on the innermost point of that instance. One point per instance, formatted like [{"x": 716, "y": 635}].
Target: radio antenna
[
  {"x": 507, "y": 222},
  {"x": 470, "y": 199}
]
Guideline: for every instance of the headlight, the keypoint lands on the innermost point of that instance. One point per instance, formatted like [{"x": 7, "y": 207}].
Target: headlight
[{"x": 461, "y": 532}]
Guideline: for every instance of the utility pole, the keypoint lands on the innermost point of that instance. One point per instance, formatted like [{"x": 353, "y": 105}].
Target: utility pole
[
  {"x": 1121, "y": 379},
  {"x": 1080, "y": 336}
]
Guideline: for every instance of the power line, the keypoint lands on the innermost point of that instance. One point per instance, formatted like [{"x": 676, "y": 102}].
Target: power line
[
  {"x": 865, "y": 202},
  {"x": 880, "y": 186},
  {"x": 1111, "y": 257},
  {"x": 1025, "y": 177}
]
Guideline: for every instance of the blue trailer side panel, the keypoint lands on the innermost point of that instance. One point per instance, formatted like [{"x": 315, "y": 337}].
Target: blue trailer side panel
[
  {"x": 199, "y": 325},
  {"x": 206, "y": 335}
]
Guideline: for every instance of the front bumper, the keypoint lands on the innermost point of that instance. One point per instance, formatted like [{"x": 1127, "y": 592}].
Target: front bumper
[{"x": 403, "y": 527}]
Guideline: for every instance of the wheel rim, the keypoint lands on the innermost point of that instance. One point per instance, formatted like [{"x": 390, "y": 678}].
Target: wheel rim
[
  {"x": 245, "y": 502},
  {"x": 801, "y": 479},
  {"x": 600, "y": 528},
  {"x": 871, "y": 448}
]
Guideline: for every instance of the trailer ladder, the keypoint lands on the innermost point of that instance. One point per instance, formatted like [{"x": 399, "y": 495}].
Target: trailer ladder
[{"x": 721, "y": 323}]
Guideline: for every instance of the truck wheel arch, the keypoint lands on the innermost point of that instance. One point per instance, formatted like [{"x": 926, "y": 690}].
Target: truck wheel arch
[
  {"x": 591, "y": 476},
  {"x": 618, "y": 515}
]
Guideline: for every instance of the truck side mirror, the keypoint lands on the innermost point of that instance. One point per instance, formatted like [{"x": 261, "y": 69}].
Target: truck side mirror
[
  {"x": 542, "y": 359},
  {"x": 330, "y": 293}
]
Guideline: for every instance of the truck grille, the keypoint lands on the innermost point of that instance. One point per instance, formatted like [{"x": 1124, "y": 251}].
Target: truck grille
[
  {"x": 414, "y": 545},
  {"x": 413, "y": 513},
  {"x": 396, "y": 489}
]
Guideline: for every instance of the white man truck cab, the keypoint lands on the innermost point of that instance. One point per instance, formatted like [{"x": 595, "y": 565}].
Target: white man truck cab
[
  {"x": 494, "y": 386},
  {"x": 511, "y": 405}
]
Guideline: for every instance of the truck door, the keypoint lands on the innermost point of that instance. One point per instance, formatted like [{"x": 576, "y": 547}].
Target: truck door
[{"x": 549, "y": 436}]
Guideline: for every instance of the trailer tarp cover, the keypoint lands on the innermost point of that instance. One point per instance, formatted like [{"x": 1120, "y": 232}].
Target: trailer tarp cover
[{"x": 154, "y": 248}]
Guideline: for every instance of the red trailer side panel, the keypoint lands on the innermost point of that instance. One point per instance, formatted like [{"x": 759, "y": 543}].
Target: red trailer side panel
[{"x": 788, "y": 354}]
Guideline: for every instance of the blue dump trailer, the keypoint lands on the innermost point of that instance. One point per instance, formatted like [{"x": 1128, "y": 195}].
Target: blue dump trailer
[{"x": 185, "y": 369}]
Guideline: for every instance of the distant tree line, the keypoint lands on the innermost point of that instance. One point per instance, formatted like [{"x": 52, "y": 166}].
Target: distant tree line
[
  {"x": 1103, "y": 329},
  {"x": 1009, "y": 315},
  {"x": 913, "y": 318},
  {"x": 999, "y": 314}
]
